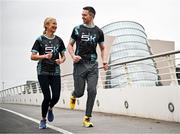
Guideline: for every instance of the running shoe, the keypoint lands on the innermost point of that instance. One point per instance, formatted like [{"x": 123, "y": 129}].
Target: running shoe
[
  {"x": 50, "y": 116},
  {"x": 72, "y": 102},
  {"x": 42, "y": 124},
  {"x": 87, "y": 122}
]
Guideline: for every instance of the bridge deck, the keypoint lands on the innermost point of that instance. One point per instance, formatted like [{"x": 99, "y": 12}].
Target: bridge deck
[{"x": 71, "y": 121}]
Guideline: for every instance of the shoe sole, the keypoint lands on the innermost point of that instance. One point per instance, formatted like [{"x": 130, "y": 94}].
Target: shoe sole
[
  {"x": 88, "y": 126},
  {"x": 50, "y": 120},
  {"x": 42, "y": 127}
]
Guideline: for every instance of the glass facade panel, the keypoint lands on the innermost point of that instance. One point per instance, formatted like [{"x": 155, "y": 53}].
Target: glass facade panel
[
  {"x": 126, "y": 32},
  {"x": 130, "y": 38},
  {"x": 130, "y": 45},
  {"x": 122, "y": 24}
]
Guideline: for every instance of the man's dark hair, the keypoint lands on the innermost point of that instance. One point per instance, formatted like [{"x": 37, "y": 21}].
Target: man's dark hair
[{"x": 91, "y": 10}]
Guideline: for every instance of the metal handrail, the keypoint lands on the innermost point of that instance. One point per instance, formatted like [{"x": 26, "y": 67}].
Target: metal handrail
[
  {"x": 136, "y": 60},
  {"x": 111, "y": 65},
  {"x": 146, "y": 58}
]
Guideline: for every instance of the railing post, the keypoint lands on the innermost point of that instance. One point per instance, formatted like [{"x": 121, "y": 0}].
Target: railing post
[
  {"x": 101, "y": 80},
  {"x": 20, "y": 90},
  {"x": 172, "y": 70},
  {"x": 63, "y": 84},
  {"x": 13, "y": 91},
  {"x": 129, "y": 82},
  {"x": 3, "y": 96}
]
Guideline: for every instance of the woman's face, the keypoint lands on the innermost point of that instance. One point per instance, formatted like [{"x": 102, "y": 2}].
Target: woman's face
[{"x": 52, "y": 26}]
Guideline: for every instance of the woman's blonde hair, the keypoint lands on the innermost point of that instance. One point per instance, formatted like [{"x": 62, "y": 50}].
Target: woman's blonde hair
[{"x": 46, "y": 22}]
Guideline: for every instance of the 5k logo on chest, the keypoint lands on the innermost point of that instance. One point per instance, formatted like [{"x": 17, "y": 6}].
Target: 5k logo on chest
[
  {"x": 51, "y": 49},
  {"x": 87, "y": 37}
]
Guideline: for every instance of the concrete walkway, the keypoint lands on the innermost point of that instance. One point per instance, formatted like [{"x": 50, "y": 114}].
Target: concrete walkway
[
  {"x": 71, "y": 122},
  {"x": 11, "y": 123}
]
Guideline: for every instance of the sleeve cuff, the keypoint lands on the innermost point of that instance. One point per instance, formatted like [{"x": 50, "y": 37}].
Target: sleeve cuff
[
  {"x": 34, "y": 51},
  {"x": 71, "y": 41},
  {"x": 101, "y": 43},
  {"x": 63, "y": 51}
]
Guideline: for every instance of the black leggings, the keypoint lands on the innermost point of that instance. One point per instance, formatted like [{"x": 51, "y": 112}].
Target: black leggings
[{"x": 45, "y": 82}]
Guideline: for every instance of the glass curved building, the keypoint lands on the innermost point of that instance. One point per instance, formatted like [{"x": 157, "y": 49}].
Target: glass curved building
[{"x": 130, "y": 43}]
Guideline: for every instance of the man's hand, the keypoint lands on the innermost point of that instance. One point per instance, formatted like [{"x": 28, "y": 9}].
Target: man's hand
[
  {"x": 76, "y": 58},
  {"x": 105, "y": 66}
]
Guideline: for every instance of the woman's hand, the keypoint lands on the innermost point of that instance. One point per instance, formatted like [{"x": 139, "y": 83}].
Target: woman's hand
[{"x": 48, "y": 56}]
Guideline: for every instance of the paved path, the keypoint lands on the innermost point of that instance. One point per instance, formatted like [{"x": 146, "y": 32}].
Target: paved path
[
  {"x": 12, "y": 123},
  {"x": 70, "y": 122}
]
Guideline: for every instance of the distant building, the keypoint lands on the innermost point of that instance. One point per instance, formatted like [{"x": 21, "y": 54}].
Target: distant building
[
  {"x": 161, "y": 46},
  {"x": 130, "y": 43}
]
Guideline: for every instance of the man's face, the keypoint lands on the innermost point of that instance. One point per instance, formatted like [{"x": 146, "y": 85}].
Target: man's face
[{"x": 87, "y": 18}]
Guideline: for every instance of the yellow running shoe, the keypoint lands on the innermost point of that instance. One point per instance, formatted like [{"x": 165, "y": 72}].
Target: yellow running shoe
[
  {"x": 72, "y": 102},
  {"x": 86, "y": 122}
]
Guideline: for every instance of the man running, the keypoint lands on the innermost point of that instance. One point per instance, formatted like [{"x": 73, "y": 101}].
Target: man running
[{"x": 86, "y": 37}]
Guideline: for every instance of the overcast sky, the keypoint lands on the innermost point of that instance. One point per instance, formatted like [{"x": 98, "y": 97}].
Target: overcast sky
[{"x": 21, "y": 22}]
